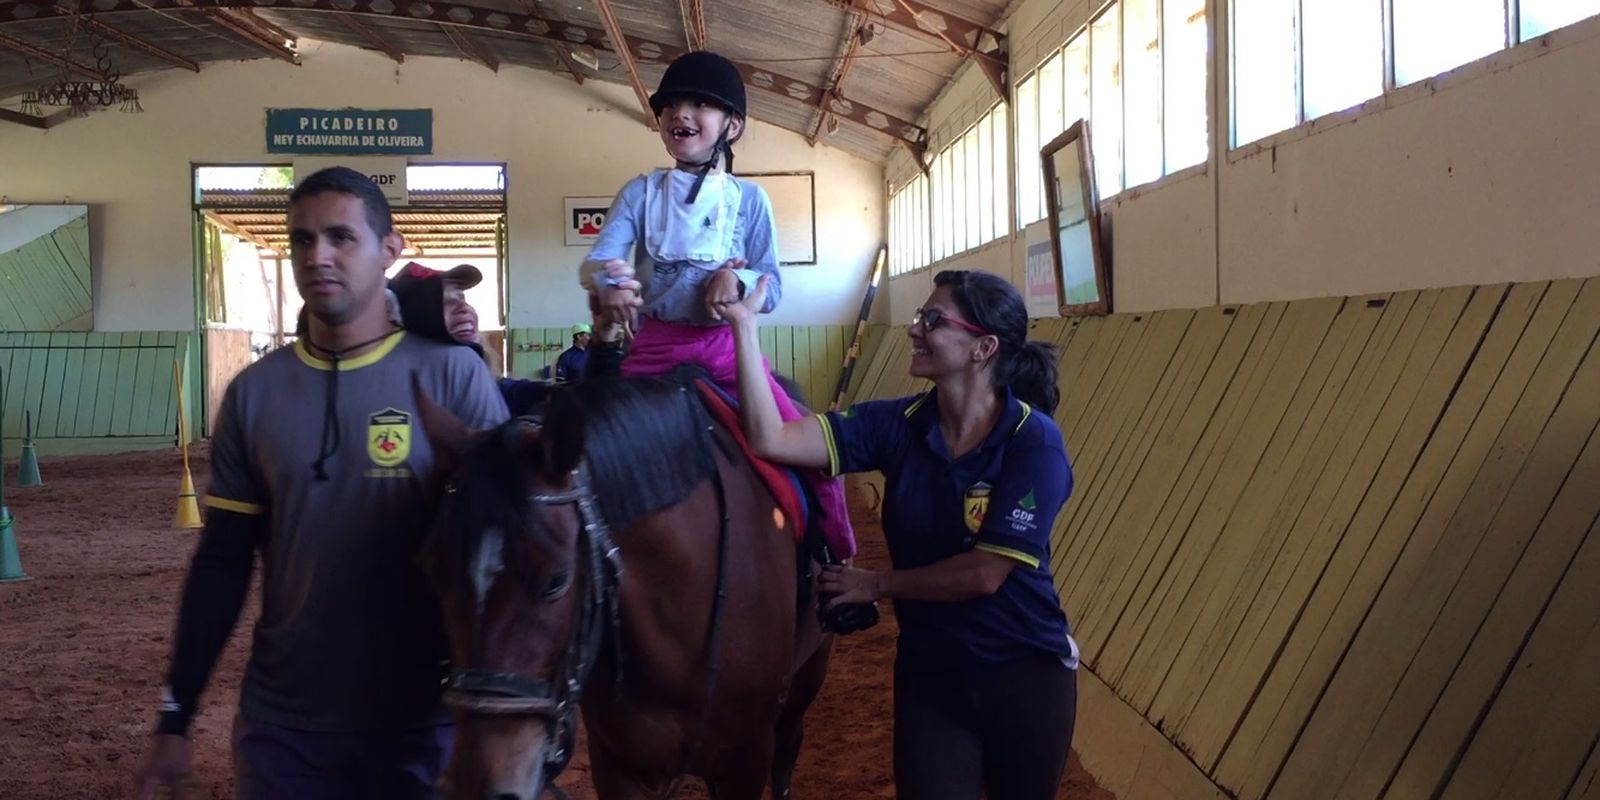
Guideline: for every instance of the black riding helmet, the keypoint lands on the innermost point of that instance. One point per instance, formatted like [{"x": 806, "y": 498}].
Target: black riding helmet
[{"x": 704, "y": 75}]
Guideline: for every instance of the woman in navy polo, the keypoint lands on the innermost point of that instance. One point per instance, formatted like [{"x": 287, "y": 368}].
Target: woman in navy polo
[{"x": 976, "y": 472}]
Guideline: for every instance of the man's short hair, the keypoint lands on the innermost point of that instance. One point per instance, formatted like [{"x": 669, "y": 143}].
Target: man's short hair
[{"x": 347, "y": 181}]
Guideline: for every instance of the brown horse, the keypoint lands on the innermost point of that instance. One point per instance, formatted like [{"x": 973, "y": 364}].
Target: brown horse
[{"x": 622, "y": 551}]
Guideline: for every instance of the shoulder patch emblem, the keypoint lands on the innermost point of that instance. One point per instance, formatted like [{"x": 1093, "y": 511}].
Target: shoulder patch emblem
[{"x": 389, "y": 437}]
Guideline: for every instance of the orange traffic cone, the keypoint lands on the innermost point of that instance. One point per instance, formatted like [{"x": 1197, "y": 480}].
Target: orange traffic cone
[{"x": 188, "y": 515}]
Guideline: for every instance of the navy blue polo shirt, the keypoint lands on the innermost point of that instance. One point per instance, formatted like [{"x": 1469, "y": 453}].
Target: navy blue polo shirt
[{"x": 1001, "y": 498}]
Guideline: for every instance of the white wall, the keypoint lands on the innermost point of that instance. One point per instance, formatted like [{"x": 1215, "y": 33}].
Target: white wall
[
  {"x": 1482, "y": 175},
  {"x": 557, "y": 138}
]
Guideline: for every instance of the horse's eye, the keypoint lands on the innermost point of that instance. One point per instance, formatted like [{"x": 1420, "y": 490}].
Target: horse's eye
[{"x": 558, "y": 585}]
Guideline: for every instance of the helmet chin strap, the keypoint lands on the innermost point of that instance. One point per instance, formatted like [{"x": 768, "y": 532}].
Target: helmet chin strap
[{"x": 705, "y": 167}]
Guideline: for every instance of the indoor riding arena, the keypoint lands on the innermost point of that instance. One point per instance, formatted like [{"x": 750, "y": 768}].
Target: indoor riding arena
[{"x": 1318, "y": 280}]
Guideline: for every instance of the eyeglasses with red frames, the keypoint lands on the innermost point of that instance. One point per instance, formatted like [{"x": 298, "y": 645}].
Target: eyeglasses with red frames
[{"x": 931, "y": 318}]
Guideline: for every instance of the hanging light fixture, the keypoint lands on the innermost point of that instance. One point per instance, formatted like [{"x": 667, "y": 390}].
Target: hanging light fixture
[{"x": 79, "y": 97}]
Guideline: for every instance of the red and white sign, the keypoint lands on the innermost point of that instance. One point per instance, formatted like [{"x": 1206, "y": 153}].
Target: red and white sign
[{"x": 585, "y": 216}]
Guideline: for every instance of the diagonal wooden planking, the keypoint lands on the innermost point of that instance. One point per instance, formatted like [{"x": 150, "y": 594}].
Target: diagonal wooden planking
[
  {"x": 1117, "y": 664},
  {"x": 1508, "y": 672},
  {"x": 1247, "y": 543},
  {"x": 1241, "y": 455},
  {"x": 1556, "y": 418},
  {"x": 1336, "y": 475},
  {"x": 1109, "y": 582},
  {"x": 1323, "y": 753},
  {"x": 1352, "y": 438}
]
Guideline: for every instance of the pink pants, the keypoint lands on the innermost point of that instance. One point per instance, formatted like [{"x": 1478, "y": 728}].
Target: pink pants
[{"x": 662, "y": 347}]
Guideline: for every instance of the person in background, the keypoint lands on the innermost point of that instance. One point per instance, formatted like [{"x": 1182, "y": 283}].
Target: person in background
[{"x": 570, "y": 366}]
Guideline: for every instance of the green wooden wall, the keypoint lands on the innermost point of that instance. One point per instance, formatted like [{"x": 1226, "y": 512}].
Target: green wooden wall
[
  {"x": 96, "y": 392},
  {"x": 810, "y": 354},
  {"x": 44, "y": 284}
]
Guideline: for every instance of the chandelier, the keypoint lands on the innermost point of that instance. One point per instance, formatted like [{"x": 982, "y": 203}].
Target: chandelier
[{"x": 79, "y": 97}]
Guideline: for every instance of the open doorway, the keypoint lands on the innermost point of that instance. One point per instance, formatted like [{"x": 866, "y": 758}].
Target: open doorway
[{"x": 452, "y": 214}]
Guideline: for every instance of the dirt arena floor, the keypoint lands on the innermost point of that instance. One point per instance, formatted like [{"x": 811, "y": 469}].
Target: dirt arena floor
[{"x": 83, "y": 644}]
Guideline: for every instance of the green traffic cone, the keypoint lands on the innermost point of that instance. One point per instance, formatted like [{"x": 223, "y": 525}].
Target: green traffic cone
[
  {"x": 10, "y": 561},
  {"x": 28, "y": 464}
]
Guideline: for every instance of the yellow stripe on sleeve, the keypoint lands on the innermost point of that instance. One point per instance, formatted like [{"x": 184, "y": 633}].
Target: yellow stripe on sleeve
[
  {"x": 223, "y": 503},
  {"x": 833, "y": 448},
  {"x": 1015, "y": 555}
]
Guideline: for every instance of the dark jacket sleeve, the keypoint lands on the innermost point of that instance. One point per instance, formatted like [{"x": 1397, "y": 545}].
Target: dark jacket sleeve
[{"x": 213, "y": 595}]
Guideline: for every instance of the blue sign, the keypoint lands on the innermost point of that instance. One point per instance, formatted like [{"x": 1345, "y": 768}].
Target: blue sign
[{"x": 350, "y": 131}]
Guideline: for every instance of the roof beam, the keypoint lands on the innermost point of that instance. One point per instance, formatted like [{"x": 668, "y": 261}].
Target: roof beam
[
  {"x": 227, "y": 225},
  {"x": 970, "y": 39},
  {"x": 246, "y": 28},
  {"x": 138, "y": 44},
  {"x": 561, "y": 51},
  {"x": 33, "y": 51},
  {"x": 371, "y": 36},
  {"x": 470, "y": 47},
  {"x": 694, "y": 22},
  {"x": 841, "y": 68},
  {"x": 619, "y": 45},
  {"x": 512, "y": 24}
]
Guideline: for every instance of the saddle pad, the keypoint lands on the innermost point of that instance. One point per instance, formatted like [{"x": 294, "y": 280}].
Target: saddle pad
[{"x": 783, "y": 483}]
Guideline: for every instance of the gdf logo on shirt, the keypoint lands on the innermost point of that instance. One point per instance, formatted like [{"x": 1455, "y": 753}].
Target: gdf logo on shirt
[
  {"x": 389, "y": 437},
  {"x": 975, "y": 505},
  {"x": 1022, "y": 517}
]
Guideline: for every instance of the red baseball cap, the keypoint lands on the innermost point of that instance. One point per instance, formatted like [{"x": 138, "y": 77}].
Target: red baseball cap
[{"x": 464, "y": 275}]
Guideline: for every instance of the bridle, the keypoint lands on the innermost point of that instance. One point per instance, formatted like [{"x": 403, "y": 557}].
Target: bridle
[{"x": 482, "y": 693}]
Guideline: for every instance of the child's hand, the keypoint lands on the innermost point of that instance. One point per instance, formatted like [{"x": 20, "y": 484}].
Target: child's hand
[
  {"x": 743, "y": 312},
  {"x": 723, "y": 288},
  {"x": 618, "y": 293}
]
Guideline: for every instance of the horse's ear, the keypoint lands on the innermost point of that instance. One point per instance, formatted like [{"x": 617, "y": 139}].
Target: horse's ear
[
  {"x": 447, "y": 434},
  {"x": 561, "y": 443}
]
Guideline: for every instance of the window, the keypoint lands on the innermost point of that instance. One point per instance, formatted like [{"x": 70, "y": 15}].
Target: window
[
  {"x": 1297, "y": 60},
  {"x": 1343, "y": 54},
  {"x": 966, "y": 192},
  {"x": 1539, "y": 17},
  {"x": 1264, "y": 69},
  {"x": 1183, "y": 49},
  {"x": 1434, "y": 36},
  {"x": 1141, "y": 60},
  {"x": 1030, "y": 181},
  {"x": 1137, "y": 73},
  {"x": 1105, "y": 100},
  {"x": 908, "y": 227}
]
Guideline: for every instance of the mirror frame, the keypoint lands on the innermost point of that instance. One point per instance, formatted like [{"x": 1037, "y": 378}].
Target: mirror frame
[{"x": 1075, "y": 136}]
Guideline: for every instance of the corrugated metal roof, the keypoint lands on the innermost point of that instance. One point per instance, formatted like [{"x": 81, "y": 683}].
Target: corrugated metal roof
[{"x": 897, "y": 72}]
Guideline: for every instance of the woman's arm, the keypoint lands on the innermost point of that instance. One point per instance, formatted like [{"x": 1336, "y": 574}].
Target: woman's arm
[
  {"x": 964, "y": 577},
  {"x": 800, "y": 443}
]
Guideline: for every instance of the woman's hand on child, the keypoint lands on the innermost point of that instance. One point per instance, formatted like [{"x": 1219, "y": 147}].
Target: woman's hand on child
[
  {"x": 741, "y": 312},
  {"x": 722, "y": 290}
]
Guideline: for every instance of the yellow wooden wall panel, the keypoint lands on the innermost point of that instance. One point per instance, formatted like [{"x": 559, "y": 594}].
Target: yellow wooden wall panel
[
  {"x": 1339, "y": 591},
  {"x": 1210, "y": 541},
  {"x": 1419, "y": 584},
  {"x": 1380, "y": 411},
  {"x": 1107, "y": 586},
  {"x": 1519, "y": 602},
  {"x": 1076, "y": 532},
  {"x": 1119, "y": 663},
  {"x": 1558, "y": 411}
]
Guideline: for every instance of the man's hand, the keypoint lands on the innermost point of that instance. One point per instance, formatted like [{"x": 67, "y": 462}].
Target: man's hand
[
  {"x": 723, "y": 288},
  {"x": 166, "y": 764},
  {"x": 619, "y": 294}
]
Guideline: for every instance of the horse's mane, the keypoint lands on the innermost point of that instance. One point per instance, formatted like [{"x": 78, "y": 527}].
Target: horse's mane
[{"x": 647, "y": 441}]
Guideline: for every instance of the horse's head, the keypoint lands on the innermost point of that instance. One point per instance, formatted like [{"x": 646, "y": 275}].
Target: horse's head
[{"x": 514, "y": 565}]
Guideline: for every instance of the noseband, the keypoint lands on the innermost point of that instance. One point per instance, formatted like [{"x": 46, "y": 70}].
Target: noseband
[{"x": 482, "y": 693}]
